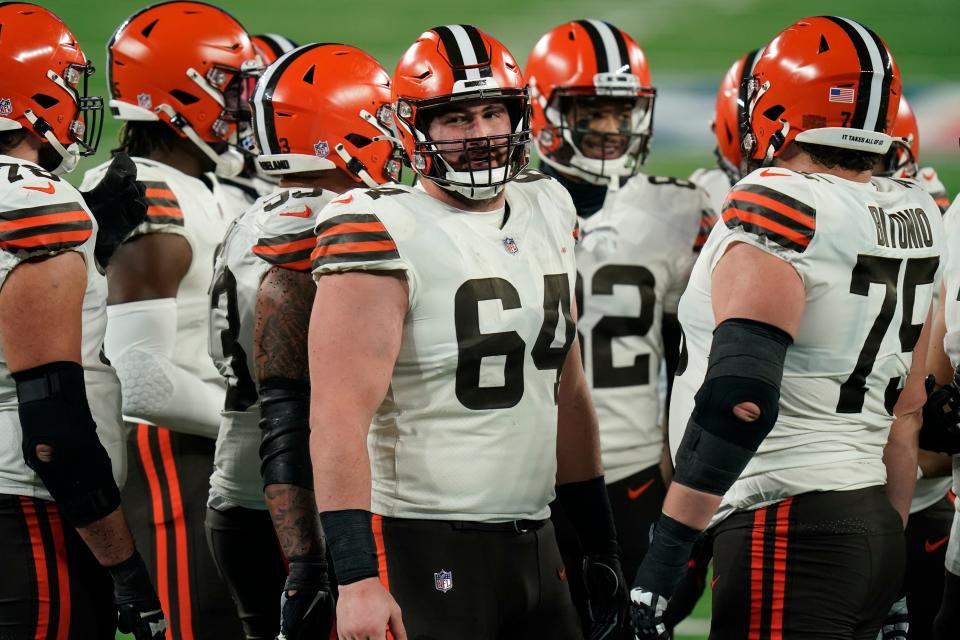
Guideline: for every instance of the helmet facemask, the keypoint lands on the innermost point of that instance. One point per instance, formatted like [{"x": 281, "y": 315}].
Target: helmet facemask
[
  {"x": 231, "y": 89},
  {"x": 899, "y": 161},
  {"x": 574, "y": 144},
  {"x": 479, "y": 167},
  {"x": 84, "y": 129}
]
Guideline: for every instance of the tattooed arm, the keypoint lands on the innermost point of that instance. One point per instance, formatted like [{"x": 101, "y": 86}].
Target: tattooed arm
[{"x": 284, "y": 301}]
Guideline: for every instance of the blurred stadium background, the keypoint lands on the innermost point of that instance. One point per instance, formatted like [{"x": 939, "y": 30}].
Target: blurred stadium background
[{"x": 689, "y": 44}]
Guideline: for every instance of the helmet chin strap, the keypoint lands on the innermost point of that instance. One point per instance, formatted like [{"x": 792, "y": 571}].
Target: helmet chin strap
[
  {"x": 69, "y": 155},
  {"x": 228, "y": 164}
]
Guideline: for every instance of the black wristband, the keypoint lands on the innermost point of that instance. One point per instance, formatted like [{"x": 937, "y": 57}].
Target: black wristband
[
  {"x": 666, "y": 561},
  {"x": 131, "y": 580},
  {"x": 587, "y": 507},
  {"x": 349, "y": 534},
  {"x": 307, "y": 572}
]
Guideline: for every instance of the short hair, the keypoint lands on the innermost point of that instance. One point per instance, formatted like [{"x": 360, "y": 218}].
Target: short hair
[
  {"x": 10, "y": 139},
  {"x": 837, "y": 157},
  {"x": 142, "y": 138}
]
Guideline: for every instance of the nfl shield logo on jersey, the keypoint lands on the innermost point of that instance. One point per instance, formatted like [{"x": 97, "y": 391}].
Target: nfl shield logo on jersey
[
  {"x": 510, "y": 245},
  {"x": 443, "y": 581},
  {"x": 321, "y": 149},
  {"x": 6, "y": 107}
]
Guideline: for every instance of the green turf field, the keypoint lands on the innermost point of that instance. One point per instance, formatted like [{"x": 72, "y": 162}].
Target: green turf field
[{"x": 687, "y": 41}]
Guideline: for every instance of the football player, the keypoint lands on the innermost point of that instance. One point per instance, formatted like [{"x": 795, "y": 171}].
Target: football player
[
  {"x": 443, "y": 318},
  {"x": 250, "y": 184},
  {"x": 592, "y": 113},
  {"x": 262, "y": 294},
  {"x": 903, "y": 158},
  {"x": 941, "y": 431},
  {"x": 804, "y": 337},
  {"x": 68, "y": 555},
  {"x": 931, "y": 511},
  {"x": 181, "y": 75},
  {"x": 727, "y": 127}
]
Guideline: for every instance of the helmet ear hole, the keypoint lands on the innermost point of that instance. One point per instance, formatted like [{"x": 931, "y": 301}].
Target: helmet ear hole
[
  {"x": 184, "y": 97},
  {"x": 357, "y": 140},
  {"x": 774, "y": 112},
  {"x": 44, "y": 100},
  {"x": 149, "y": 28}
]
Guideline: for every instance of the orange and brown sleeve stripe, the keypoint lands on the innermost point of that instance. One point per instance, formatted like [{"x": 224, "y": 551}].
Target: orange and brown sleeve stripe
[
  {"x": 707, "y": 219},
  {"x": 162, "y": 205},
  {"x": 289, "y": 251},
  {"x": 353, "y": 237},
  {"x": 766, "y": 212},
  {"x": 53, "y": 227}
]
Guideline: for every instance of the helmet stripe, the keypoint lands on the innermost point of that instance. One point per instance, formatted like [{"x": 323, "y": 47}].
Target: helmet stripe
[
  {"x": 467, "y": 51},
  {"x": 866, "y": 113},
  {"x": 452, "y": 48},
  {"x": 278, "y": 44},
  {"x": 262, "y": 101},
  {"x": 887, "y": 80},
  {"x": 599, "y": 50},
  {"x": 614, "y": 62},
  {"x": 479, "y": 49},
  {"x": 621, "y": 45}
]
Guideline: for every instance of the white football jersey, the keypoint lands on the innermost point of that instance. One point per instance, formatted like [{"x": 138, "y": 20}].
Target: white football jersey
[
  {"x": 633, "y": 262},
  {"x": 715, "y": 182},
  {"x": 951, "y": 344},
  {"x": 200, "y": 211},
  {"x": 276, "y": 231},
  {"x": 468, "y": 428},
  {"x": 44, "y": 215},
  {"x": 868, "y": 255}
]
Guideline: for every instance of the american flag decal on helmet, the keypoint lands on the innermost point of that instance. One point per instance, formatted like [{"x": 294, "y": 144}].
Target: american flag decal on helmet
[{"x": 841, "y": 94}]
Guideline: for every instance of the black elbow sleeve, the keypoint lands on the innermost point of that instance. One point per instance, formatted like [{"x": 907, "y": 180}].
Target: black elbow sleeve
[
  {"x": 54, "y": 412},
  {"x": 285, "y": 432},
  {"x": 745, "y": 366}
]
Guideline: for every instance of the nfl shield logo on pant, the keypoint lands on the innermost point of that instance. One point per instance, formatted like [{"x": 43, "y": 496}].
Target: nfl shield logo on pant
[{"x": 443, "y": 581}]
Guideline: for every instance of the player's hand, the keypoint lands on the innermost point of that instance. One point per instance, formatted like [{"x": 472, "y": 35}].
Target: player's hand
[
  {"x": 896, "y": 623},
  {"x": 941, "y": 418},
  {"x": 137, "y": 603},
  {"x": 365, "y": 610},
  {"x": 646, "y": 614},
  {"x": 306, "y": 606},
  {"x": 118, "y": 203},
  {"x": 606, "y": 595}
]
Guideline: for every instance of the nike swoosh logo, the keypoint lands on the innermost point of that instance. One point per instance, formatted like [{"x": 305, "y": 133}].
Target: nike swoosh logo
[
  {"x": 766, "y": 173},
  {"x": 633, "y": 494},
  {"x": 345, "y": 200},
  {"x": 47, "y": 189},
  {"x": 713, "y": 581},
  {"x": 305, "y": 213},
  {"x": 930, "y": 547}
]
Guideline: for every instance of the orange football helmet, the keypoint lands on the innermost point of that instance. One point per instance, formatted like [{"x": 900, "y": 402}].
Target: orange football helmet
[
  {"x": 326, "y": 106},
  {"x": 44, "y": 87},
  {"x": 825, "y": 80},
  {"x": 270, "y": 46},
  {"x": 453, "y": 64},
  {"x": 571, "y": 66},
  {"x": 903, "y": 158},
  {"x": 193, "y": 66},
  {"x": 729, "y": 115}
]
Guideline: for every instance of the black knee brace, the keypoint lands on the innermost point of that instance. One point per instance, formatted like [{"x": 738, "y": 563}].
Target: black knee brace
[
  {"x": 54, "y": 412},
  {"x": 745, "y": 365}
]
